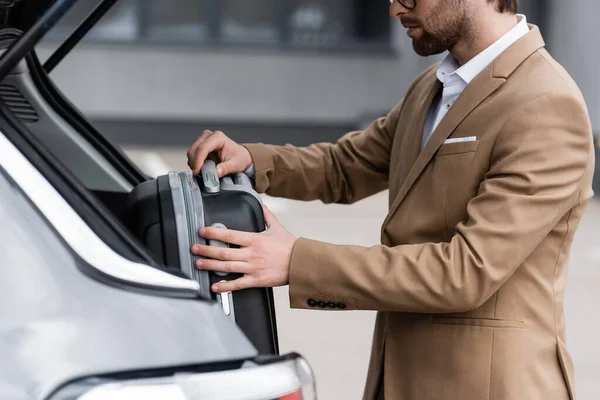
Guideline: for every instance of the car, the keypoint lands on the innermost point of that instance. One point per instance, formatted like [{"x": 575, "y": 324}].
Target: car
[{"x": 89, "y": 311}]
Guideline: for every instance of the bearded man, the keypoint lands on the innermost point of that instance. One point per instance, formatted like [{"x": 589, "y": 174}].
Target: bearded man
[{"x": 488, "y": 160}]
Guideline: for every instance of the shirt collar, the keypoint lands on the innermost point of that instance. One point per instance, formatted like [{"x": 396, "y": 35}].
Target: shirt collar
[{"x": 449, "y": 66}]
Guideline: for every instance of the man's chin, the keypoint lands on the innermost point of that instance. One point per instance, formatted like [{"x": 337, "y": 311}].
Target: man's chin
[{"x": 426, "y": 48}]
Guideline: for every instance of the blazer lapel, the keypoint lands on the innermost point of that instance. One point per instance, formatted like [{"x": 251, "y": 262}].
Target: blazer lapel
[
  {"x": 486, "y": 83},
  {"x": 475, "y": 93},
  {"x": 412, "y": 144}
]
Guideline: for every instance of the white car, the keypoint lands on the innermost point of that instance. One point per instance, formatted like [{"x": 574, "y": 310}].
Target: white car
[{"x": 88, "y": 311}]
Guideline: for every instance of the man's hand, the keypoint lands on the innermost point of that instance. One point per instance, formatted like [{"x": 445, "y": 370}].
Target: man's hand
[
  {"x": 263, "y": 258},
  {"x": 232, "y": 157}
]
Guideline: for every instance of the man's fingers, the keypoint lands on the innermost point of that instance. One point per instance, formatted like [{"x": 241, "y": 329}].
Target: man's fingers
[
  {"x": 231, "y": 267},
  {"x": 201, "y": 155},
  {"x": 193, "y": 150},
  {"x": 220, "y": 253},
  {"x": 243, "y": 239},
  {"x": 207, "y": 144},
  {"x": 225, "y": 168},
  {"x": 242, "y": 283}
]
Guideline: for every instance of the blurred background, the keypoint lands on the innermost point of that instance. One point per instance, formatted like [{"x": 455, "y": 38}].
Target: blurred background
[{"x": 154, "y": 73}]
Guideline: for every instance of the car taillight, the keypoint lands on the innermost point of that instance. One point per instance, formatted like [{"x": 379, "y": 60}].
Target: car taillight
[
  {"x": 292, "y": 396},
  {"x": 282, "y": 378}
]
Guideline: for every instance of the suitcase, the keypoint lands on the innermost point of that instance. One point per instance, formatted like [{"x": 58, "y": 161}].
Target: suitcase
[{"x": 166, "y": 214}]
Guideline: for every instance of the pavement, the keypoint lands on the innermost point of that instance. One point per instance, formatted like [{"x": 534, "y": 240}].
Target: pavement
[{"x": 337, "y": 344}]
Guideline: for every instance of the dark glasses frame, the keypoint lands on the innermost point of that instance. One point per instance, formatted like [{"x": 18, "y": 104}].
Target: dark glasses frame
[{"x": 409, "y": 4}]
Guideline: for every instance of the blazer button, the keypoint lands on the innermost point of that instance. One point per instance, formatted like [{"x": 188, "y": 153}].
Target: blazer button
[
  {"x": 331, "y": 304},
  {"x": 312, "y": 303},
  {"x": 341, "y": 306},
  {"x": 322, "y": 304}
]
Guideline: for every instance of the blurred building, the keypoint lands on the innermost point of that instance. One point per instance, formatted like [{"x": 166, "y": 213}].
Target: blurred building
[{"x": 281, "y": 71}]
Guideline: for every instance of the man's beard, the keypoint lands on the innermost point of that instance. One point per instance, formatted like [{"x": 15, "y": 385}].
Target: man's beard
[{"x": 447, "y": 24}]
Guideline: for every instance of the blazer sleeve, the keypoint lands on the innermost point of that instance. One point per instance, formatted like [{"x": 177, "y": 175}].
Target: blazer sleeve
[
  {"x": 539, "y": 168},
  {"x": 354, "y": 167}
]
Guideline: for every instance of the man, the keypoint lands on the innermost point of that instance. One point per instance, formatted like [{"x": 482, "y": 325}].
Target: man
[{"x": 488, "y": 161}]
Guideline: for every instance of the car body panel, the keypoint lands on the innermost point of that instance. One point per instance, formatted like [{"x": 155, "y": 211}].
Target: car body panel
[
  {"x": 58, "y": 324},
  {"x": 67, "y": 309}
]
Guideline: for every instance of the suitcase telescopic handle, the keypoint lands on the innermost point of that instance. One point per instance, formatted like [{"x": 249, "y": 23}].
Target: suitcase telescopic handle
[
  {"x": 213, "y": 184},
  {"x": 210, "y": 177}
]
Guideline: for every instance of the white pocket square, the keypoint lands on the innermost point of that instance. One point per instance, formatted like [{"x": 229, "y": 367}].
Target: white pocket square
[{"x": 462, "y": 139}]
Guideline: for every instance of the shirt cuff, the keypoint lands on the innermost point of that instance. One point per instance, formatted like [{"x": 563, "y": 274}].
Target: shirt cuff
[{"x": 251, "y": 172}]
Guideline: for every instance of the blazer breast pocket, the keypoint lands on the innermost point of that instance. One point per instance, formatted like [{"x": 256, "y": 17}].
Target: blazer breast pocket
[
  {"x": 455, "y": 178},
  {"x": 458, "y": 148}
]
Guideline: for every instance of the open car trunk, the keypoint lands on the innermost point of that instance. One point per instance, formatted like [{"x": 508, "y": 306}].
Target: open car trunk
[
  {"x": 22, "y": 14},
  {"x": 158, "y": 218}
]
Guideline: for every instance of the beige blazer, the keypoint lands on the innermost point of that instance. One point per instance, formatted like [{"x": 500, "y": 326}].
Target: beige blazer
[{"x": 470, "y": 277}]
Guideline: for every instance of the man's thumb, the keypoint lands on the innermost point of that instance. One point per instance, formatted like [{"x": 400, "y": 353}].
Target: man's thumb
[{"x": 270, "y": 218}]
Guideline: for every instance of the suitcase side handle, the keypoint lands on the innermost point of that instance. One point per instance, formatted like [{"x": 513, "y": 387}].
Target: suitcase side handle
[
  {"x": 218, "y": 243},
  {"x": 225, "y": 299},
  {"x": 210, "y": 179},
  {"x": 240, "y": 182}
]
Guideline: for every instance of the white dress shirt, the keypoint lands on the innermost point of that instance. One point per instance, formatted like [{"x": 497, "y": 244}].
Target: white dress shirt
[{"x": 455, "y": 78}]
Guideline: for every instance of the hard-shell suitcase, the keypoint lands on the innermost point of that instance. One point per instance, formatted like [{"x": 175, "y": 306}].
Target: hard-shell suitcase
[{"x": 167, "y": 213}]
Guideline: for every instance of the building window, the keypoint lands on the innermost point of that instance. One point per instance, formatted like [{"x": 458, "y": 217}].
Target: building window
[
  {"x": 249, "y": 21},
  {"x": 320, "y": 23},
  {"x": 285, "y": 23}
]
